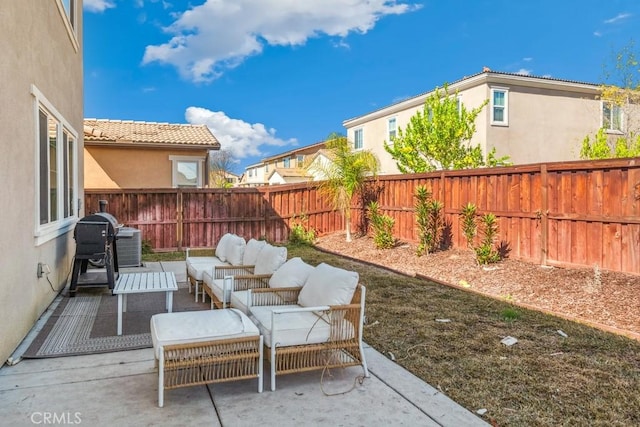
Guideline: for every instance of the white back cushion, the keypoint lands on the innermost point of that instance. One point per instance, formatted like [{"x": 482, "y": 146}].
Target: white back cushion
[
  {"x": 221, "y": 248},
  {"x": 252, "y": 250},
  {"x": 292, "y": 273},
  {"x": 328, "y": 285},
  {"x": 269, "y": 259},
  {"x": 235, "y": 250}
]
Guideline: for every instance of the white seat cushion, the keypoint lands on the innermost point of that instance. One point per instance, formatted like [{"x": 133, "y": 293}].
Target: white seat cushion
[
  {"x": 196, "y": 266},
  {"x": 234, "y": 250},
  {"x": 328, "y": 285},
  {"x": 270, "y": 259},
  {"x": 199, "y": 326},
  {"x": 252, "y": 250},
  {"x": 292, "y": 328},
  {"x": 292, "y": 273},
  {"x": 217, "y": 286}
]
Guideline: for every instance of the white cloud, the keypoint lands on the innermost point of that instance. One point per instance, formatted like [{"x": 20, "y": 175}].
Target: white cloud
[
  {"x": 597, "y": 33},
  {"x": 97, "y": 5},
  {"x": 527, "y": 59},
  {"x": 618, "y": 17},
  {"x": 242, "y": 139},
  {"x": 219, "y": 34},
  {"x": 524, "y": 72}
]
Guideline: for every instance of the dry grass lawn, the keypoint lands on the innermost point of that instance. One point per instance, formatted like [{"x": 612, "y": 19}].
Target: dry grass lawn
[{"x": 589, "y": 377}]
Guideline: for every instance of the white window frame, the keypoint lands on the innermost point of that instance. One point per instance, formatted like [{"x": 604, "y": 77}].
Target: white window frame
[
  {"x": 505, "y": 107},
  {"x": 394, "y": 130},
  {"x": 70, "y": 19},
  {"x": 174, "y": 169},
  {"x": 613, "y": 107},
  {"x": 299, "y": 160},
  {"x": 61, "y": 225},
  {"x": 355, "y": 139}
]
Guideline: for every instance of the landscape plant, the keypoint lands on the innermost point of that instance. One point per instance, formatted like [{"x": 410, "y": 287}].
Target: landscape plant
[
  {"x": 486, "y": 251},
  {"x": 469, "y": 227},
  {"x": 382, "y": 226},
  {"x": 439, "y": 137},
  {"x": 300, "y": 232},
  {"x": 344, "y": 175},
  {"x": 429, "y": 220}
]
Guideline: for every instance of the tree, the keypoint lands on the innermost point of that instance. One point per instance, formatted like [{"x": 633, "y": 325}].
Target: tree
[
  {"x": 220, "y": 166},
  {"x": 620, "y": 94},
  {"x": 345, "y": 175},
  {"x": 439, "y": 137}
]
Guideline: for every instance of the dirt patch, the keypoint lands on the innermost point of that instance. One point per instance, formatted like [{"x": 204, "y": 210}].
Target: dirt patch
[{"x": 601, "y": 298}]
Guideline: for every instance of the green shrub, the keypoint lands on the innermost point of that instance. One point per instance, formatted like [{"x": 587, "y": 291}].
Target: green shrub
[
  {"x": 469, "y": 227},
  {"x": 486, "y": 252},
  {"x": 382, "y": 226},
  {"x": 429, "y": 220},
  {"x": 299, "y": 233}
]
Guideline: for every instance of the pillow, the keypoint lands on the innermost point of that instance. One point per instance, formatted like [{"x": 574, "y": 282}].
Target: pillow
[
  {"x": 269, "y": 259},
  {"x": 252, "y": 250},
  {"x": 221, "y": 248},
  {"x": 291, "y": 274},
  {"x": 235, "y": 250},
  {"x": 328, "y": 285}
]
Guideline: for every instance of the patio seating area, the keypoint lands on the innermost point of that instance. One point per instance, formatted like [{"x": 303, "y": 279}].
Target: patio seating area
[{"x": 121, "y": 388}]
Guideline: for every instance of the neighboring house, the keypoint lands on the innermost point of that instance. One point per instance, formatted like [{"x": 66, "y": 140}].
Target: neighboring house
[
  {"x": 41, "y": 138},
  {"x": 130, "y": 154},
  {"x": 288, "y": 167},
  {"x": 223, "y": 179},
  {"x": 530, "y": 119}
]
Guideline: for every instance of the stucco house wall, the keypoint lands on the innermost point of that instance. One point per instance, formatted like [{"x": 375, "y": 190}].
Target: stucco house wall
[
  {"x": 41, "y": 66},
  {"x": 547, "y": 118},
  {"x": 116, "y": 167}
]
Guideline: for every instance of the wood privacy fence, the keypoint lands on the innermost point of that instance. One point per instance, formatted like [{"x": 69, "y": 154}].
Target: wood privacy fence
[{"x": 583, "y": 213}]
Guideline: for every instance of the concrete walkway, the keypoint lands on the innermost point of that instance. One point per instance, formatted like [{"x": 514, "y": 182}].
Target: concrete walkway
[{"x": 121, "y": 389}]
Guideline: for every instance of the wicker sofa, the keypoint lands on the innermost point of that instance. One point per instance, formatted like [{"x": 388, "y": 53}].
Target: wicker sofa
[
  {"x": 314, "y": 326},
  {"x": 220, "y": 281},
  {"x": 233, "y": 256}
]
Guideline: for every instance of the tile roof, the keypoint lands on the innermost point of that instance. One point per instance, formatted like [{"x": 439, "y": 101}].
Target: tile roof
[{"x": 148, "y": 133}]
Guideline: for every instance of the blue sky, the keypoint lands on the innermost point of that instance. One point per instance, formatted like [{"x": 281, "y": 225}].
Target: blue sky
[{"x": 269, "y": 75}]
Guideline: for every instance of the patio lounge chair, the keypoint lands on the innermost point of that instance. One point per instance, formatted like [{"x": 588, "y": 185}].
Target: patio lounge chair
[{"x": 316, "y": 326}]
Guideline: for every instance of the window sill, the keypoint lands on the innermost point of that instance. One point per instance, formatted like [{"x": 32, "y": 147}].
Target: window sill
[
  {"x": 613, "y": 132},
  {"x": 51, "y": 231},
  {"x": 500, "y": 124}
]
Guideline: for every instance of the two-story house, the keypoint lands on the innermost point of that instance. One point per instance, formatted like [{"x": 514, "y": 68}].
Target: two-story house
[
  {"x": 283, "y": 168},
  {"x": 530, "y": 119},
  {"x": 41, "y": 138}
]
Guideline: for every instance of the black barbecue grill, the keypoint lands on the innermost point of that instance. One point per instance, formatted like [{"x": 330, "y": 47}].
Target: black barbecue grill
[{"x": 95, "y": 237}]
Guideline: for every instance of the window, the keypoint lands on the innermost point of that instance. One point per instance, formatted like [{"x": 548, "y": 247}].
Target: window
[
  {"x": 611, "y": 117},
  {"x": 250, "y": 173},
  {"x": 57, "y": 176},
  {"x": 392, "y": 128},
  {"x": 287, "y": 162},
  {"x": 357, "y": 139},
  {"x": 186, "y": 171},
  {"x": 499, "y": 107},
  {"x": 68, "y": 12},
  {"x": 266, "y": 167},
  {"x": 300, "y": 160}
]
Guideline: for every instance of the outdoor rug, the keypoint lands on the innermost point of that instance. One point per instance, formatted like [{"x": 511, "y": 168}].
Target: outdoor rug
[{"x": 87, "y": 323}]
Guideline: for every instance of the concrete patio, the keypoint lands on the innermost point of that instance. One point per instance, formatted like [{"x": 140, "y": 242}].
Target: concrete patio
[{"x": 121, "y": 389}]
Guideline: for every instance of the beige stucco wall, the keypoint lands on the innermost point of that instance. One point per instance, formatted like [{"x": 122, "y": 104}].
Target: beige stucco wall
[
  {"x": 546, "y": 121},
  {"x": 114, "y": 167},
  {"x": 36, "y": 50}
]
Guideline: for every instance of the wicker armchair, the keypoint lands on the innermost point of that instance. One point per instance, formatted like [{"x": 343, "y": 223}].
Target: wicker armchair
[{"x": 299, "y": 339}]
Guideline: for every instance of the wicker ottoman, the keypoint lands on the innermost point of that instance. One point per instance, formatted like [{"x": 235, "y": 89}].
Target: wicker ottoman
[{"x": 203, "y": 347}]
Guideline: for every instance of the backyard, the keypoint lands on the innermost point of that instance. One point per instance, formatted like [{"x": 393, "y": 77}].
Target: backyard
[{"x": 559, "y": 372}]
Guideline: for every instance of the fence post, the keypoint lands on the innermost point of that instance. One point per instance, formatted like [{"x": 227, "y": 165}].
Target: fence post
[{"x": 544, "y": 215}]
